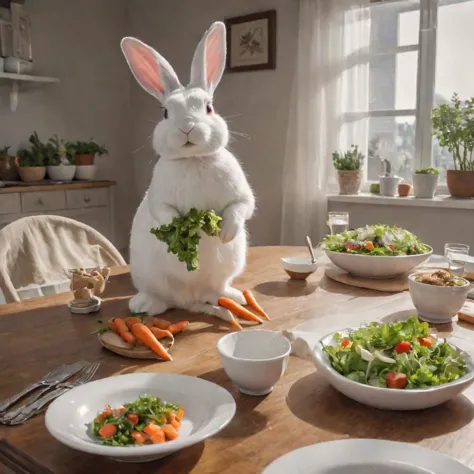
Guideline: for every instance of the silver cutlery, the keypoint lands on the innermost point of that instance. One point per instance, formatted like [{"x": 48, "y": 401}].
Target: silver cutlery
[
  {"x": 60, "y": 374},
  {"x": 36, "y": 407},
  {"x": 310, "y": 248}
]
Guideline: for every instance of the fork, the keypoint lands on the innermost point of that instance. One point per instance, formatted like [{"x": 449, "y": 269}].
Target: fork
[{"x": 36, "y": 407}]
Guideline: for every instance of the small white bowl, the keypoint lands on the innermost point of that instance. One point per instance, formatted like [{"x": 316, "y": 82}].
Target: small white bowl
[
  {"x": 437, "y": 304},
  {"x": 254, "y": 359},
  {"x": 387, "y": 398},
  {"x": 298, "y": 268}
]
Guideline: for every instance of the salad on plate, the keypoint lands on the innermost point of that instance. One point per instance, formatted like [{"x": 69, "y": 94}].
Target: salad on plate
[
  {"x": 376, "y": 240},
  {"x": 398, "y": 355}
]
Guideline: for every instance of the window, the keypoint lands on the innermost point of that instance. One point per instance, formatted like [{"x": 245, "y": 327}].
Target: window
[{"x": 420, "y": 53}]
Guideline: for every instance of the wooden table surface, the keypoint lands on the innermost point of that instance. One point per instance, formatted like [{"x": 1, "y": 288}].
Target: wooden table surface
[{"x": 38, "y": 335}]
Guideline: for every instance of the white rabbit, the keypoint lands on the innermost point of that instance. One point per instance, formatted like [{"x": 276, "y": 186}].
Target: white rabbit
[{"x": 194, "y": 170}]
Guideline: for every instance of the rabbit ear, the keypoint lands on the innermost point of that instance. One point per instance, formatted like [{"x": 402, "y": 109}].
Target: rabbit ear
[
  {"x": 151, "y": 70},
  {"x": 209, "y": 58}
]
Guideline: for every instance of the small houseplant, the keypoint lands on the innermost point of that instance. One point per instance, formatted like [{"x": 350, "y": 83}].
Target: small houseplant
[
  {"x": 453, "y": 126},
  {"x": 8, "y": 168},
  {"x": 61, "y": 165},
  {"x": 85, "y": 153},
  {"x": 425, "y": 181},
  {"x": 32, "y": 161},
  {"x": 348, "y": 166}
]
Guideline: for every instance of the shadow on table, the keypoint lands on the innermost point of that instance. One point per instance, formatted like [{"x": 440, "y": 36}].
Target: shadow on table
[
  {"x": 246, "y": 421},
  {"x": 332, "y": 286},
  {"x": 289, "y": 288},
  {"x": 314, "y": 401}
]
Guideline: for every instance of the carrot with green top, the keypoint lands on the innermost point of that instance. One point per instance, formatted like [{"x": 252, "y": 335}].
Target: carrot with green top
[
  {"x": 238, "y": 310},
  {"x": 123, "y": 331},
  {"x": 130, "y": 321},
  {"x": 160, "y": 333},
  {"x": 252, "y": 302},
  {"x": 108, "y": 431},
  {"x": 146, "y": 337},
  {"x": 170, "y": 432},
  {"x": 178, "y": 327},
  {"x": 161, "y": 323}
]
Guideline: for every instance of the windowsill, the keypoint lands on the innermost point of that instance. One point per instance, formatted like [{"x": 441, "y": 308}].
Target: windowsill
[{"x": 438, "y": 201}]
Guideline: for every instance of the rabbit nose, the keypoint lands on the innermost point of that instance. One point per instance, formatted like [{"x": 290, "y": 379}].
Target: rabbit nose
[{"x": 187, "y": 129}]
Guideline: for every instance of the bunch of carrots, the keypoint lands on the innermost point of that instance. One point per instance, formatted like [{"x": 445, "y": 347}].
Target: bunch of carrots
[{"x": 133, "y": 330}]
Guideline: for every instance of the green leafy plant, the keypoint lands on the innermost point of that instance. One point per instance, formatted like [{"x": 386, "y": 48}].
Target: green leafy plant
[
  {"x": 36, "y": 155},
  {"x": 4, "y": 151},
  {"x": 183, "y": 235},
  {"x": 86, "y": 148},
  {"x": 453, "y": 126},
  {"x": 351, "y": 160},
  {"x": 432, "y": 171},
  {"x": 59, "y": 152}
]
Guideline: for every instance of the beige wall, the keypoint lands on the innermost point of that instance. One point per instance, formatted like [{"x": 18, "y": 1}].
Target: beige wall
[
  {"x": 78, "y": 41},
  {"x": 259, "y": 99}
]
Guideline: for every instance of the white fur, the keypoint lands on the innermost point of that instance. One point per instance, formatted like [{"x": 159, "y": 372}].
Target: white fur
[{"x": 204, "y": 175}]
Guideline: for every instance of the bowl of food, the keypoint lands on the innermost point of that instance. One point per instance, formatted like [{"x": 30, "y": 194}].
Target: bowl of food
[
  {"x": 298, "y": 268},
  {"x": 394, "y": 366},
  {"x": 438, "y": 295},
  {"x": 139, "y": 417},
  {"x": 376, "y": 251}
]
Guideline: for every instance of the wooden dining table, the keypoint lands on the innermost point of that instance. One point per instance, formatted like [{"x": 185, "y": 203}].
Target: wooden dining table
[{"x": 38, "y": 335}]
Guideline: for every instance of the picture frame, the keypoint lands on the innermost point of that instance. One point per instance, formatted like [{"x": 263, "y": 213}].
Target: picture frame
[{"x": 251, "y": 42}]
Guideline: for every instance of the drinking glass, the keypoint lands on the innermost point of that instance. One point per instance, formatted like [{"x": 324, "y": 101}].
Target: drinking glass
[
  {"x": 456, "y": 266},
  {"x": 338, "y": 222}
]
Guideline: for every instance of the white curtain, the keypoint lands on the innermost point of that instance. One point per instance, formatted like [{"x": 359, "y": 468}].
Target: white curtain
[{"x": 329, "y": 105}]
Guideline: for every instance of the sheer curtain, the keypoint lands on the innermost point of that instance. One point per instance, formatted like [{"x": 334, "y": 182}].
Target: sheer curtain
[{"x": 329, "y": 103}]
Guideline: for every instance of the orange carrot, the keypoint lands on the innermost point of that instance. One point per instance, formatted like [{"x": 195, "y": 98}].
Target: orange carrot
[
  {"x": 133, "y": 418},
  {"x": 139, "y": 437},
  {"x": 252, "y": 302},
  {"x": 102, "y": 416},
  {"x": 145, "y": 336},
  {"x": 173, "y": 420},
  {"x": 118, "y": 411},
  {"x": 113, "y": 327},
  {"x": 123, "y": 331},
  {"x": 238, "y": 310},
  {"x": 178, "y": 327},
  {"x": 160, "y": 333},
  {"x": 161, "y": 323},
  {"x": 158, "y": 437},
  {"x": 180, "y": 414},
  {"x": 107, "y": 431},
  {"x": 131, "y": 321},
  {"x": 170, "y": 432}
]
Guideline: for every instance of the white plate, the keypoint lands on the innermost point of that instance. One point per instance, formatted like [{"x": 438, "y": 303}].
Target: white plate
[
  {"x": 208, "y": 409},
  {"x": 365, "y": 456}
]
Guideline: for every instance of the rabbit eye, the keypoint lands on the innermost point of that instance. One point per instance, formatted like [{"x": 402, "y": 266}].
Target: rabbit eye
[
  {"x": 165, "y": 113},
  {"x": 209, "y": 108}
]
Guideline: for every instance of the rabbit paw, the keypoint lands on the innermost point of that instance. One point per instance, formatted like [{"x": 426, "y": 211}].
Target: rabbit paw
[
  {"x": 230, "y": 228},
  {"x": 235, "y": 295},
  {"x": 144, "y": 303}
]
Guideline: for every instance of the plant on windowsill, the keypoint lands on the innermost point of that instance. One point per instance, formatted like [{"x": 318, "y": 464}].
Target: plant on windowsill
[
  {"x": 85, "y": 153},
  {"x": 32, "y": 161},
  {"x": 453, "y": 126},
  {"x": 348, "y": 166},
  {"x": 8, "y": 168},
  {"x": 425, "y": 181},
  {"x": 61, "y": 158}
]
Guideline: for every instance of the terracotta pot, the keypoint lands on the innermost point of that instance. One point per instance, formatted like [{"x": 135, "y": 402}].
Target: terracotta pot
[
  {"x": 84, "y": 160},
  {"x": 349, "y": 182},
  {"x": 32, "y": 173},
  {"x": 460, "y": 183},
  {"x": 404, "y": 189},
  {"x": 8, "y": 168}
]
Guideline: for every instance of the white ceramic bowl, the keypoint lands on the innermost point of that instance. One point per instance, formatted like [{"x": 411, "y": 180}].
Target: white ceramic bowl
[
  {"x": 437, "y": 304},
  {"x": 254, "y": 359},
  {"x": 373, "y": 266},
  {"x": 208, "y": 409},
  {"x": 386, "y": 398},
  {"x": 298, "y": 267}
]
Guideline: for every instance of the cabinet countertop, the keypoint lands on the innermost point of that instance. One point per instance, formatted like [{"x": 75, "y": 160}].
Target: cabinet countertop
[{"x": 56, "y": 187}]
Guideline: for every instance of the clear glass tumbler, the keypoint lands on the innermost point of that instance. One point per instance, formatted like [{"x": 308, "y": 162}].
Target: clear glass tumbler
[
  {"x": 455, "y": 265},
  {"x": 338, "y": 222}
]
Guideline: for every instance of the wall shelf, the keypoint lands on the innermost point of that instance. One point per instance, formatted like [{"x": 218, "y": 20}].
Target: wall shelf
[{"x": 14, "y": 81}]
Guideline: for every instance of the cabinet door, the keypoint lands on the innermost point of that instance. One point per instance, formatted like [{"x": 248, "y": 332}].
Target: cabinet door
[
  {"x": 43, "y": 201},
  {"x": 10, "y": 203},
  {"x": 79, "y": 198}
]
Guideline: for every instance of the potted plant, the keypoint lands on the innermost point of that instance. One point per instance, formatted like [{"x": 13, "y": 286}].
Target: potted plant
[
  {"x": 453, "y": 126},
  {"x": 8, "y": 168},
  {"x": 388, "y": 182},
  {"x": 32, "y": 161},
  {"x": 348, "y": 166},
  {"x": 85, "y": 153},
  {"x": 61, "y": 165},
  {"x": 404, "y": 189},
  {"x": 425, "y": 181}
]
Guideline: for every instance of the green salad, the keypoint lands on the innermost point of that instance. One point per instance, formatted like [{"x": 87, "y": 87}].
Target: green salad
[
  {"x": 147, "y": 420},
  {"x": 399, "y": 355},
  {"x": 379, "y": 239},
  {"x": 184, "y": 233}
]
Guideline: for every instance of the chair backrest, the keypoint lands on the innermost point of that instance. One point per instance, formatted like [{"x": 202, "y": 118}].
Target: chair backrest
[{"x": 40, "y": 250}]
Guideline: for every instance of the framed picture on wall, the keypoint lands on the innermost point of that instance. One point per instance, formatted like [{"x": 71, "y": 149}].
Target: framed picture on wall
[{"x": 251, "y": 42}]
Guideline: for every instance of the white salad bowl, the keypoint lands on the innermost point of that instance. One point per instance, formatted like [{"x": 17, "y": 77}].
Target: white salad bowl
[
  {"x": 387, "y": 398},
  {"x": 437, "y": 304},
  {"x": 208, "y": 409},
  {"x": 377, "y": 266}
]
